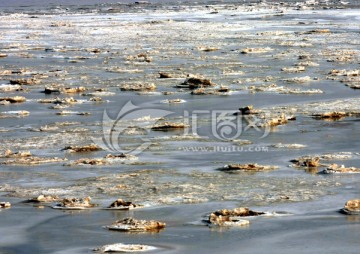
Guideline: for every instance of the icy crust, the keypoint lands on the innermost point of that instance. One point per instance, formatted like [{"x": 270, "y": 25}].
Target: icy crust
[{"x": 187, "y": 188}]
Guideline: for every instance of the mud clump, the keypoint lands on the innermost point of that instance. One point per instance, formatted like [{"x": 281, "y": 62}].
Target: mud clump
[
  {"x": 288, "y": 146},
  {"x": 14, "y": 99},
  {"x": 353, "y": 86},
  {"x": 227, "y": 217},
  {"x": 60, "y": 101},
  {"x": 307, "y": 161},
  {"x": 123, "y": 205},
  {"x": 165, "y": 75},
  {"x": 352, "y": 207},
  {"x": 134, "y": 130},
  {"x": 96, "y": 99},
  {"x": 6, "y": 72},
  {"x": 305, "y": 79},
  {"x": 14, "y": 114},
  {"x": 75, "y": 204},
  {"x": 69, "y": 113},
  {"x": 120, "y": 247},
  {"x": 121, "y": 156},
  {"x": 32, "y": 160},
  {"x": 227, "y": 221},
  {"x": 241, "y": 212},
  {"x": 273, "y": 88},
  {"x": 25, "y": 82},
  {"x": 208, "y": 49},
  {"x": 79, "y": 89},
  {"x": 195, "y": 83},
  {"x": 336, "y": 169},
  {"x": 142, "y": 57},
  {"x": 293, "y": 69},
  {"x": 86, "y": 161},
  {"x": 108, "y": 159},
  {"x": 255, "y": 50},
  {"x": 44, "y": 199},
  {"x": 60, "y": 89},
  {"x": 248, "y": 110},
  {"x": 222, "y": 90},
  {"x": 138, "y": 87},
  {"x": 318, "y": 31},
  {"x": 4, "y": 205},
  {"x": 10, "y": 88},
  {"x": 251, "y": 167},
  {"x": 82, "y": 149},
  {"x": 169, "y": 126},
  {"x": 10, "y": 154},
  {"x": 278, "y": 120},
  {"x": 173, "y": 101},
  {"x": 133, "y": 225},
  {"x": 330, "y": 115},
  {"x": 348, "y": 73},
  {"x": 51, "y": 89}
]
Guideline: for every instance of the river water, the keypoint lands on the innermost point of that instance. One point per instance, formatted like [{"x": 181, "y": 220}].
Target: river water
[{"x": 106, "y": 47}]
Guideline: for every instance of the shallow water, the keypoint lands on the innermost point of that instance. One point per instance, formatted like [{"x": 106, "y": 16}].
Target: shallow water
[{"x": 177, "y": 176}]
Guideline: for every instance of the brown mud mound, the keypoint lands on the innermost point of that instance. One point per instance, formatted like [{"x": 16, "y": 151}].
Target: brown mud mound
[
  {"x": 15, "y": 99},
  {"x": 352, "y": 207},
  {"x": 227, "y": 217},
  {"x": 74, "y": 204},
  {"x": 81, "y": 149},
  {"x": 26, "y": 82},
  {"x": 336, "y": 169},
  {"x": 106, "y": 160},
  {"x": 330, "y": 115},
  {"x": 123, "y": 248},
  {"x": 196, "y": 82},
  {"x": 10, "y": 154},
  {"x": 222, "y": 90},
  {"x": 306, "y": 161},
  {"x": 251, "y": 167},
  {"x": 247, "y": 110},
  {"x": 120, "y": 204},
  {"x": 4, "y": 205},
  {"x": 133, "y": 225},
  {"x": 138, "y": 87},
  {"x": 44, "y": 199},
  {"x": 168, "y": 126},
  {"x": 32, "y": 160}
]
